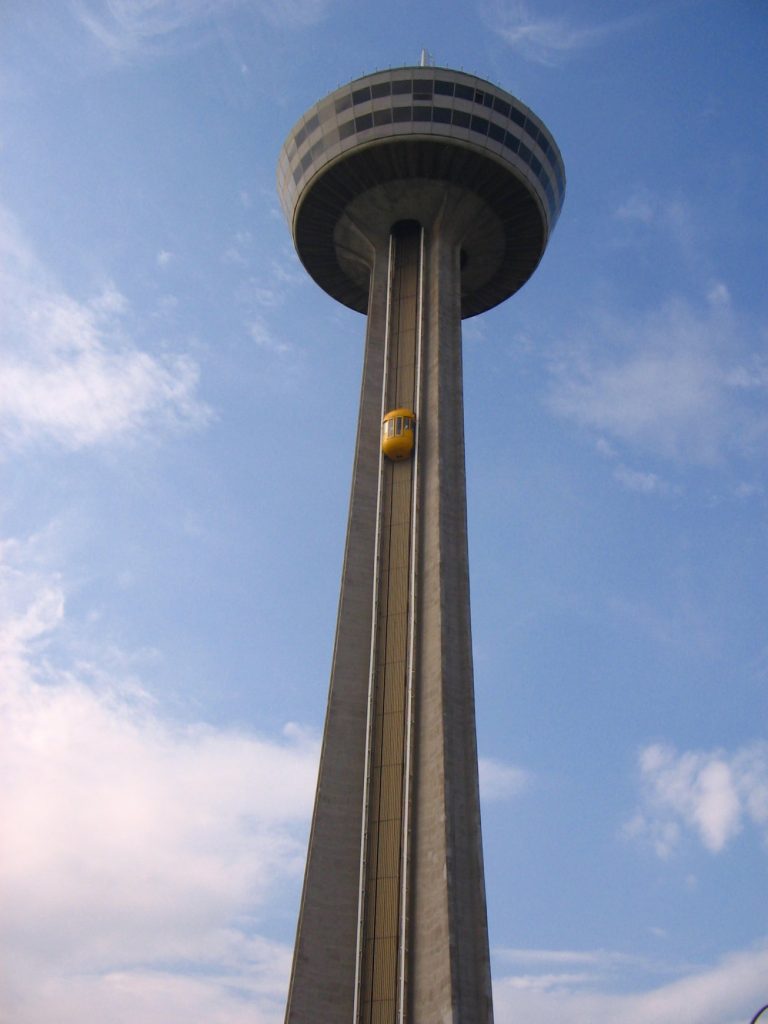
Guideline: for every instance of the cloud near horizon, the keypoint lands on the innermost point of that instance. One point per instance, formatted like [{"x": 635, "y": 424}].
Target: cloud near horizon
[
  {"x": 138, "y": 853},
  {"x": 578, "y": 989}
]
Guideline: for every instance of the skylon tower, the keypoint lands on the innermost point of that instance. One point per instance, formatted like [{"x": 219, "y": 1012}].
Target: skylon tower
[{"x": 419, "y": 196}]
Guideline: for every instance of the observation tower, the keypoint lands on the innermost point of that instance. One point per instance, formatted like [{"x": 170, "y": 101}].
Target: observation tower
[{"x": 419, "y": 196}]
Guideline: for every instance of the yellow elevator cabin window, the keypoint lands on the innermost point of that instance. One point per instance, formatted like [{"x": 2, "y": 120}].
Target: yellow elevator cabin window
[{"x": 398, "y": 431}]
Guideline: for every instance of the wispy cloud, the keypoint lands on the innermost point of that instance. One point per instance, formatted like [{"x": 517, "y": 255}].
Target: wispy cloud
[
  {"x": 69, "y": 371},
  {"x": 129, "y": 28},
  {"x": 546, "y": 40},
  {"x": 674, "y": 382},
  {"x": 729, "y": 991},
  {"x": 134, "y": 858}
]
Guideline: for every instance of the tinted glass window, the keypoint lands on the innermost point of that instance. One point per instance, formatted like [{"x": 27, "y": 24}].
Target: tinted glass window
[
  {"x": 535, "y": 164},
  {"x": 525, "y": 153},
  {"x": 382, "y": 89},
  {"x": 361, "y": 123},
  {"x": 441, "y": 114},
  {"x": 361, "y": 95},
  {"x": 501, "y": 105},
  {"x": 422, "y": 90},
  {"x": 444, "y": 88},
  {"x": 464, "y": 92},
  {"x": 404, "y": 85},
  {"x": 461, "y": 119},
  {"x": 312, "y": 123},
  {"x": 531, "y": 128},
  {"x": 399, "y": 427},
  {"x": 511, "y": 142},
  {"x": 382, "y": 117},
  {"x": 301, "y": 134},
  {"x": 343, "y": 103},
  {"x": 516, "y": 116},
  {"x": 422, "y": 113},
  {"x": 400, "y": 114},
  {"x": 345, "y": 130},
  {"x": 496, "y": 132},
  {"x": 480, "y": 124}
]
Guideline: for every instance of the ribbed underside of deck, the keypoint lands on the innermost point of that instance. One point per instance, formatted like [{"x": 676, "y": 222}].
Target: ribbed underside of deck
[{"x": 419, "y": 162}]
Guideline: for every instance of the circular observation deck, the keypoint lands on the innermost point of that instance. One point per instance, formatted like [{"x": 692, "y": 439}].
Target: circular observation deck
[{"x": 388, "y": 146}]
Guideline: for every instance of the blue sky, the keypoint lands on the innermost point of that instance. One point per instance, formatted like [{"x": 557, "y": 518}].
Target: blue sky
[{"x": 177, "y": 417}]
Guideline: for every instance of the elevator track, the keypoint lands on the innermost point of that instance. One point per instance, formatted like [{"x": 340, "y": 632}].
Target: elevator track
[{"x": 382, "y": 942}]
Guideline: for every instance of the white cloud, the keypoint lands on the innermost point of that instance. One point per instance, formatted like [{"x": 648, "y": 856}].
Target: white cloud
[
  {"x": 710, "y": 793},
  {"x": 68, "y": 371},
  {"x": 544, "y": 39},
  {"x": 500, "y": 781},
  {"x": 137, "y": 852},
  {"x": 728, "y": 992},
  {"x": 674, "y": 383}
]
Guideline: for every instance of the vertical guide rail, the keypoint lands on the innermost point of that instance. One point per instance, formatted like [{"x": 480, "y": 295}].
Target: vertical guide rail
[
  {"x": 361, "y": 897},
  {"x": 383, "y": 891},
  {"x": 410, "y": 681}
]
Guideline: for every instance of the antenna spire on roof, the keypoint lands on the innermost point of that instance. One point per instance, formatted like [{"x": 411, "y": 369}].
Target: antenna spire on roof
[{"x": 426, "y": 60}]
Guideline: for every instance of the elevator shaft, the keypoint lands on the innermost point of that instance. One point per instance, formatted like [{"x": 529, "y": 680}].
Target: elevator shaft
[{"x": 384, "y": 866}]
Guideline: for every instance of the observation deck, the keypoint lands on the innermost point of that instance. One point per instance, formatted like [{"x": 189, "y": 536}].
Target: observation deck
[{"x": 389, "y": 147}]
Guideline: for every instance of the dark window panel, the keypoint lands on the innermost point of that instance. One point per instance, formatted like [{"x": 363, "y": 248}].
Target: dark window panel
[
  {"x": 535, "y": 164},
  {"x": 443, "y": 88},
  {"x": 479, "y": 124},
  {"x": 461, "y": 119},
  {"x": 422, "y": 113},
  {"x": 312, "y": 124},
  {"x": 361, "y": 95},
  {"x": 525, "y": 153},
  {"x": 501, "y": 106},
  {"x": 301, "y": 134},
  {"x": 496, "y": 132},
  {"x": 382, "y": 116},
  {"x": 516, "y": 116},
  {"x": 382, "y": 89},
  {"x": 345, "y": 130},
  {"x": 400, "y": 86},
  {"x": 464, "y": 92},
  {"x": 441, "y": 115},
  {"x": 422, "y": 90},
  {"x": 343, "y": 103},
  {"x": 361, "y": 123},
  {"x": 511, "y": 142},
  {"x": 532, "y": 130},
  {"x": 401, "y": 114}
]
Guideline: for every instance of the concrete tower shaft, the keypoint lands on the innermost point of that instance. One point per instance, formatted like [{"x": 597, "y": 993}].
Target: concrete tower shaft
[{"x": 404, "y": 203}]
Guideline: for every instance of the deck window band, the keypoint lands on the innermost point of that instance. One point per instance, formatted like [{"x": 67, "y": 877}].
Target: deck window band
[{"x": 423, "y": 89}]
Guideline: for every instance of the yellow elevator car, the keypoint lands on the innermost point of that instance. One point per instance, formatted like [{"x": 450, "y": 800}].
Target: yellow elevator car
[{"x": 398, "y": 431}]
